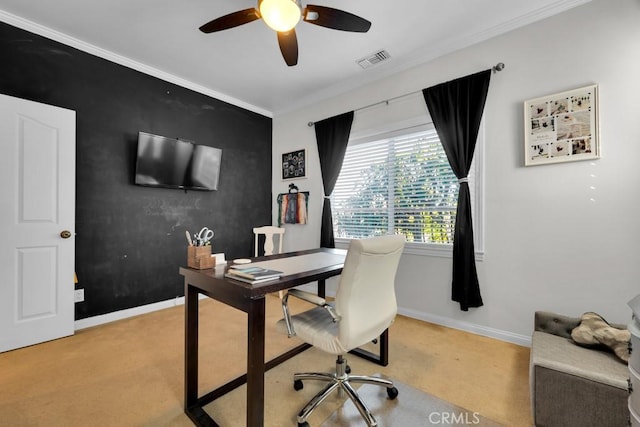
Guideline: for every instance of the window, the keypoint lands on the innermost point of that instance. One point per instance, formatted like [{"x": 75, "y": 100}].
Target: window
[{"x": 400, "y": 184}]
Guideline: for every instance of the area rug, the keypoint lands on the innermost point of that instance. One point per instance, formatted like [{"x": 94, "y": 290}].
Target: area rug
[{"x": 412, "y": 407}]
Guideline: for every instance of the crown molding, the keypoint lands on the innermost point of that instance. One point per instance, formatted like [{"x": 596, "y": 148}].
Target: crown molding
[
  {"x": 65, "y": 39},
  {"x": 425, "y": 55}
]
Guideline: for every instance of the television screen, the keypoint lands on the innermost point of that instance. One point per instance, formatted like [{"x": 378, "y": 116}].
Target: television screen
[{"x": 173, "y": 163}]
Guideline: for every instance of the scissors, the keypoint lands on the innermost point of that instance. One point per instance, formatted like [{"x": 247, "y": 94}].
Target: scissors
[{"x": 204, "y": 236}]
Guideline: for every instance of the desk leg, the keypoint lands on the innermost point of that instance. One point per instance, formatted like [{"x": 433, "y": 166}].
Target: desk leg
[
  {"x": 190, "y": 346},
  {"x": 384, "y": 348},
  {"x": 322, "y": 288},
  {"x": 382, "y": 358},
  {"x": 255, "y": 363}
]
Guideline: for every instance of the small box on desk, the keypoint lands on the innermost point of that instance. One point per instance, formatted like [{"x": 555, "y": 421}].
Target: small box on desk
[{"x": 200, "y": 257}]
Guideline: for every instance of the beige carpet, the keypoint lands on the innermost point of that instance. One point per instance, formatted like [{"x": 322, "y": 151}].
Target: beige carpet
[{"x": 130, "y": 372}]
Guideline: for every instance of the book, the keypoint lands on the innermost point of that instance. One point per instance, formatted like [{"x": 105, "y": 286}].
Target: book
[
  {"x": 253, "y": 272},
  {"x": 250, "y": 281}
]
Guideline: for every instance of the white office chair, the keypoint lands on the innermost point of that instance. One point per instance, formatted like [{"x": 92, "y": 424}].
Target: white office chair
[
  {"x": 269, "y": 232},
  {"x": 365, "y": 305}
]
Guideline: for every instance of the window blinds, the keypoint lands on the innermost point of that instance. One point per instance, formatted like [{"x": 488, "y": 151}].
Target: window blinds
[{"x": 396, "y": 185}]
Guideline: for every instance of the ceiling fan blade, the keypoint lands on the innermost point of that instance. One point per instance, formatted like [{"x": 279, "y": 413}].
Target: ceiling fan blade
[
  {"x": 231, "y": 20},
  {"x": 289, "y": 47},
  {"x": 335, "y": 19}
]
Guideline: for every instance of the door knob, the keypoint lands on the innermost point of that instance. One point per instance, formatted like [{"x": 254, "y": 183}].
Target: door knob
[{"x": 65, "y": 234}]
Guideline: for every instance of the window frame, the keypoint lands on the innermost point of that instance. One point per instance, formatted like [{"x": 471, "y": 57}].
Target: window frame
[{"x": 476, "y": 188}]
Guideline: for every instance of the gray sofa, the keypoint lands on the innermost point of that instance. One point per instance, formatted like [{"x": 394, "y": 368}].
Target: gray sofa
[{"x": 572, "y": 385}]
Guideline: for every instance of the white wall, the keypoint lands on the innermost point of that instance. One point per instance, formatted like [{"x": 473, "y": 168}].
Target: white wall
[{"x": 559, "y": 237}]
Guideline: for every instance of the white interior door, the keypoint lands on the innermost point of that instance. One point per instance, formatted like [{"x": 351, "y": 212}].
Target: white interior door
[{"x": 37, "y": 219}]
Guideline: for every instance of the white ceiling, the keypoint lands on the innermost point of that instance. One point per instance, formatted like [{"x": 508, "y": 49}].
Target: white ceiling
[{"x": 244, "y": 66}]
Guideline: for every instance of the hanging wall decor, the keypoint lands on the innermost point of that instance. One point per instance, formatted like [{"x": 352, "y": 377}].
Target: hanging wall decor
[
  {"x": 294, "y": 164},
  {"x": 562, "y": 127},
  {"x": 293, "y": 206}
]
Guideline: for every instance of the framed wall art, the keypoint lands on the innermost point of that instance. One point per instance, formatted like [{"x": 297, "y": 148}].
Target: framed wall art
[
  {"x": 562, "y": 127},
  {"x": 294, "y": 165}
]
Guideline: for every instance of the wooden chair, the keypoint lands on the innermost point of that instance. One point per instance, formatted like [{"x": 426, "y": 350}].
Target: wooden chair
[{"x": 269, "y": 232}]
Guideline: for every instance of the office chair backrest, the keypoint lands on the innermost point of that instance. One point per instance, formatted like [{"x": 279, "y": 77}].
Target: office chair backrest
[
  {"x": 366, "y": 298},
  {"x": 269, "y": 233}
]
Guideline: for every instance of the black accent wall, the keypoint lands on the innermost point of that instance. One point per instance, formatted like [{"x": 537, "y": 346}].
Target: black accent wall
[{"x": 130, "y": 240}]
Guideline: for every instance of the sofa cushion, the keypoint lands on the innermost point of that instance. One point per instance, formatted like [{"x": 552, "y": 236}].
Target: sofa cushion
[
  {"x": 561, "y": 354},
  {"x": 556, "y": 324}
]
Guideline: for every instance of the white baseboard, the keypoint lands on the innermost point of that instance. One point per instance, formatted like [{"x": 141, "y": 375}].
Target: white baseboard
[
  {"x": 473, "y": 328},
  {"x": 431, "y": 318},
  {"x": 130, "y": 312},
  {"x": 523, "y": 340}
]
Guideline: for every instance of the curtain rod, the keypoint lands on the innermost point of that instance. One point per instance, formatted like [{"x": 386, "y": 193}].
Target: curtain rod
[{"x": 496, "y": 68}]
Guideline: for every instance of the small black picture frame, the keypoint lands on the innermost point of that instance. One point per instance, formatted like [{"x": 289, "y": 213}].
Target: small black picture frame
[{"x": 294, "y": 165}]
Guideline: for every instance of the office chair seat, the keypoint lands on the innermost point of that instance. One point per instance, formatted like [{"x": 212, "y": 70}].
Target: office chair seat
[
  {"x": 317, "y": 328},
  {"x": 364, "y": 308}
]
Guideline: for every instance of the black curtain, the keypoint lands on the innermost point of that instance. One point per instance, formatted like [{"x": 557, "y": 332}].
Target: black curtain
[
  {"x": 332, "y": 135},
  {"x": 456, "y": 110}
]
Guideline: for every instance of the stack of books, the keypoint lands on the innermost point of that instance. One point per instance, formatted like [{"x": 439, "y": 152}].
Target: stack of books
[{"x": 252, "y": 274}]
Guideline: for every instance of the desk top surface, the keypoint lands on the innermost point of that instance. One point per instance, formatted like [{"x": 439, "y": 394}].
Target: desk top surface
[
  {"x": 298, "y": 267},
  {"x": 300, "y": 264}
]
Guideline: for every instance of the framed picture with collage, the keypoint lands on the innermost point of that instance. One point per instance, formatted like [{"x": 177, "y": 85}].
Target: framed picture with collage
[
  {"x": 294, "y": 164},
  {"x": 562, "y": 127}
]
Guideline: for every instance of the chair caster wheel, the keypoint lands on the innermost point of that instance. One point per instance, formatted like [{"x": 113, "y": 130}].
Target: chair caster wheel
[
  {"x": 392, "y": 393},
  {"x": 297, "y": 385},
  {"x": 347, "y": 369},
  {"x": 304, "y": 424}
]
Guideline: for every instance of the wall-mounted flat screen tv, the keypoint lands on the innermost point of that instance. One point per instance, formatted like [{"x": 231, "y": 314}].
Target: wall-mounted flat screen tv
[{"x": 175, "y": 163}]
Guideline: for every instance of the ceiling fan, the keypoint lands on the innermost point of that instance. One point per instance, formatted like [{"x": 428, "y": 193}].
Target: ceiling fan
[{"x": 283, "y": 15}]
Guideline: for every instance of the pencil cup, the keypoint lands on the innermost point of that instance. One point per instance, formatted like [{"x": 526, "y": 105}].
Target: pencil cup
[{"x": 200, "y": 257}]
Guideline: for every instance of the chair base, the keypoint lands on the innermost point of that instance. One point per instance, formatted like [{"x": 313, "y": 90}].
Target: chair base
[{"x": 340, "y": 381}]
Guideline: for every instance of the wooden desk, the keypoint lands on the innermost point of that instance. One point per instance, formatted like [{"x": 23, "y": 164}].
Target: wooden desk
[{"x": 251, "y": 300}]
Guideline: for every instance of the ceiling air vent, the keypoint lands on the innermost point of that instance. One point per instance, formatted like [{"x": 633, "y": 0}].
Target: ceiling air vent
[{"x": 373, "y": 59}]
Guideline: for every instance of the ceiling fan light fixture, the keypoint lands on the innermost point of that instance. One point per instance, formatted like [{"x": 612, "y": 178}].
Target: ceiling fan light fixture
[{"x": 280, "y": 15}]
